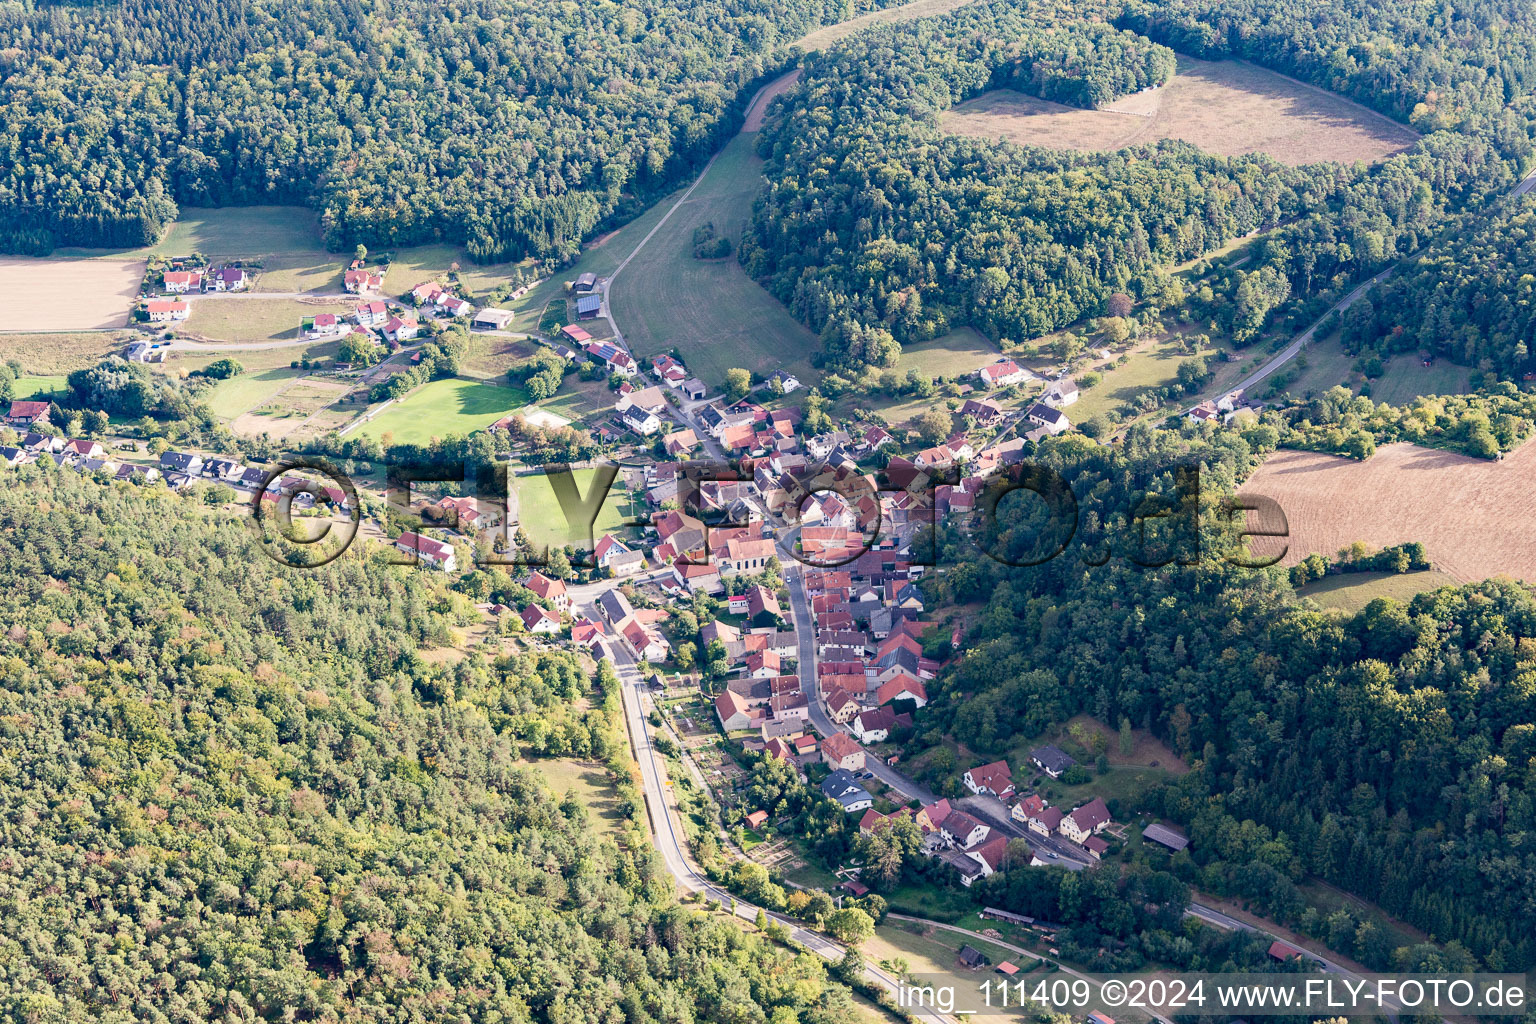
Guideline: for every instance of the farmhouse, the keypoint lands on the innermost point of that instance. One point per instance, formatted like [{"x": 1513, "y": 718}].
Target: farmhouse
[
  {"x": 1002, "y": 373},
  {"x": 736, "y": 711},
  {"x": 27, "y": 414},
  {"x": 551, "y": 590},
  {"x": 433, "y": 552},
  {"x": 164, "y": 310}
]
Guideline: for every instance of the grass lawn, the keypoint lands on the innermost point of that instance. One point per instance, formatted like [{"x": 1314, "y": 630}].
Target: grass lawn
[
  {"x": 443, "y": 407},
  {"x": 232, "y": 231},
  {"x": 591, "y": 785},
  {"x": 49, "y": 354},
  {"x": 410, "y": 267},
  {"x": 1324, "y": 364},
  {"x": 577, "y": 399},
  {"x": 251, "y": 358},
  {"x": 30, "y": 386},
  {"x": 710, "y": 310},
  {"x": 539, "y": 514},
  {"x": 1352, "y": 591},
  {"x": 230, "y": 398},
  {"x": 1150, "y": 368},
  {"x": 490, "y": 356},
  {"x": 933, "y": 959},
  {"x": 242, "y": 319},
  {"x": 303, "y": 272},
  {"x": 955, "y": 354}
]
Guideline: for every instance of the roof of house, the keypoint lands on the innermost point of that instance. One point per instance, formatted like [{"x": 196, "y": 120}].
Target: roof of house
[
  {"x": 993, "y": 851},
  {"x": 839, "y": 745},
  {"x": 545, "y": 586},
  {"x": 27, "y": 410},
  {"x": 535, "y": 614},
  {"x": 427, "y": 546},
  {"x": 995, "y": 776},
  {"x": 1050, "y": 817},
  {"x": 1049, "y": 415},
  {"x": 1051, "y": 758},
  {"x": 1091, "y": 815},
  {"x": 899, "y": 685},
  {"x": 958, "y": 823}
]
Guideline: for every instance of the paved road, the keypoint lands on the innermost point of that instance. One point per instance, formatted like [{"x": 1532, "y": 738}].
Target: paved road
[{"x": 668, "y": 832}]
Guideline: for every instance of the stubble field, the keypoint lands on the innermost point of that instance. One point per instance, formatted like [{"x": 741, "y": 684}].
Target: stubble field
[
  {"x": 1472, "y": 516},
  {"x": 1227, "y": 108},
  {"x": 52, "y": 294}
]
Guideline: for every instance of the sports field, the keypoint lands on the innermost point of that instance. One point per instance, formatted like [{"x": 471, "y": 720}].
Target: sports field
[
  {"x": 716, "y": 316},
  {"x": 54, "y": 294},
  {"x": 443, "y": 407},
  {"x": 1473, "y": 516},
  {"x": 1227, "y": 108}
]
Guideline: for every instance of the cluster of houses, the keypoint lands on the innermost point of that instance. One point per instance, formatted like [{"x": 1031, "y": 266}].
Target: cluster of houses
[{"x": 1230, "y": 406}]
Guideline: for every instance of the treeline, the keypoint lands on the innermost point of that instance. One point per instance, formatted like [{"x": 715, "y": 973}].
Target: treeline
[
  {"x": 1484, "y": 425},
  {"x": 1392, "y": 753},
  {"x": 514, "y": 127},
  {"x": 230, "y": 787}
]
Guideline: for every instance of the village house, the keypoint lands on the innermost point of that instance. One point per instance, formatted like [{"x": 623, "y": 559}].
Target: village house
[
  {"x": 177, "y": 282},
  {"x": 371, "y": 314},
  {"x": 931, "y": 818},
  {"x": 167, "y": 310},
  {"x": 648, "y": 644},
  {"x": 988, "y": 856},
  {"x": 551, "y": 590},
  {"x": 845, "y": 789},
  {"x": 433, "y": 552},
  {"x": 538, "y": 619},
  {"x": 1051, "y": 760},
  {"x": 962, "y": 830},
  {"x": 841, "y": 751},
  {"x": 229, "y": 279},
  {"x": 83, "y": 449},
  {"x": 402, "y": 327},
  {"x": 453, "y": 305},
  {"x": 1062, "y": 392},
  {"x": 1032, "y": 804},
  {"x": 358, "y": 280},
  {"x": 1045, "y": 821},
  {"x": 327, "y": 326},
  {"x": 993, "y": 779},
  {"x": 618, "y": 558},
  {"x": 1003, "y": 373},
  {"x": 984, "y": 412},
  {"x": 1052, "y": 420},
  {"x": 736, "y": 712},
  {"x": 27, "y": 414},
  {"x": 1087, "y": 820},
  {"x": 841, "y": 705}
]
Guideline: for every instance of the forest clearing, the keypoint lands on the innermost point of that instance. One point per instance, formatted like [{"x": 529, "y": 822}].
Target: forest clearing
[{"x": 1227, "y": 108}]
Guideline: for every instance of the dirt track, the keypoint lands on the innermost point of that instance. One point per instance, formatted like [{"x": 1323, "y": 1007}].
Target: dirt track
[{"x": 1474, "y": 517}]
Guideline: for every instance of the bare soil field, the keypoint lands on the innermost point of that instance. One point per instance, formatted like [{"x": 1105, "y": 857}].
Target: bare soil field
[
  {"x": 1472, "y": 516},
  {"x": 1227, "y": 108},
  {"x": 66, "y": 294}
]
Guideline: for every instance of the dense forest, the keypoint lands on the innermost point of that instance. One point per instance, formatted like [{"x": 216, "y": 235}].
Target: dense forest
[
  {"x": 1483, "y": 425},
  {"x": 1391, "y": 752},
  {"x": 234, "y": 791},
  {"x": 515, "y": 127}
]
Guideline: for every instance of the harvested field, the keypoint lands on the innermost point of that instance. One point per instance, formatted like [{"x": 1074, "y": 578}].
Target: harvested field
[
  {"x": 66, "y": 294},
  {"x": 1472, "y": 516},
  {"x": 1227, "y": 108}
]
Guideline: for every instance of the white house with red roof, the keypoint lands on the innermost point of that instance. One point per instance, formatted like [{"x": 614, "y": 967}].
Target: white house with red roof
[
  {"x": 993, "y": 779},
  {"x": 177, "y": 282},
  {"x": 989, "y": 856},
  {"x": 167, "y": 310},
  {"x": 433, "y": 552},
  {"x": 550, "y": 589},
  {"x": 538, "y": 619},
  {"x": 328, "y": 325},
  {"x": 902, "y": 688},
  {"x": 371, "y": 314},
  {"x": 81, "y": 448},
  {"x": 358, "y": 280},
  {"x": 1089, "y": 819},
  {"x": 229, "y": 279},
  {"x": 1003, "y": 373},
  {"x": 426, "y": 292},
  {"x": 402, "y": 328},
  {"x": 648, "y": 644},
  {"x": 841, "y": 751}
]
